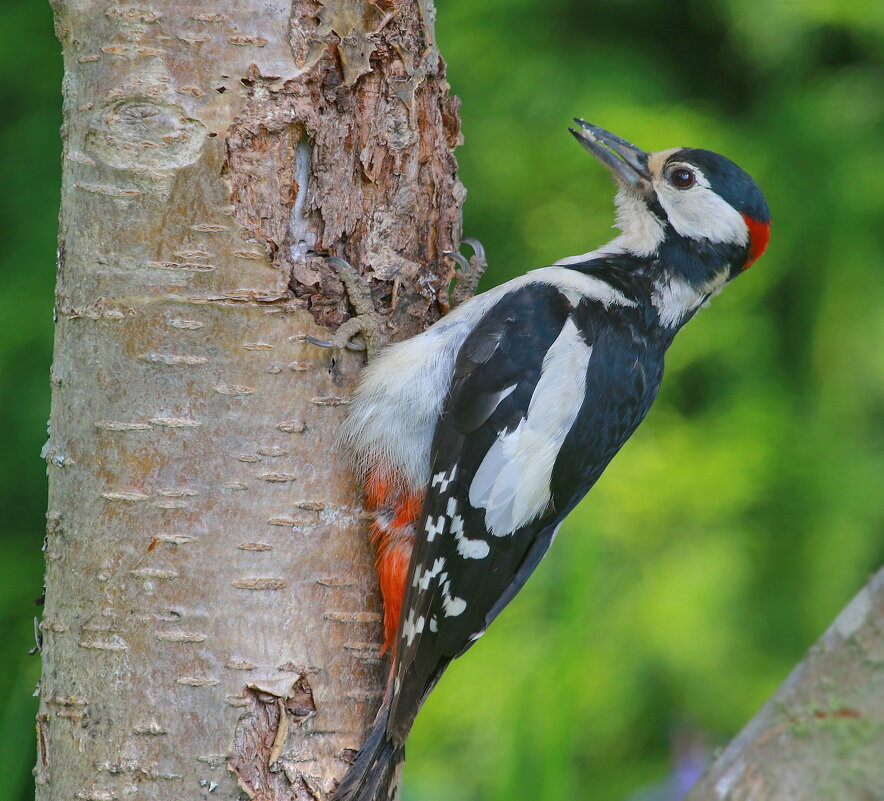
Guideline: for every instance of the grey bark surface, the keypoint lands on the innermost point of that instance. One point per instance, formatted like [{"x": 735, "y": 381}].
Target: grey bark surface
[
  {"x": 211, "y": 626},
  {"x": 821, "y": 736}
]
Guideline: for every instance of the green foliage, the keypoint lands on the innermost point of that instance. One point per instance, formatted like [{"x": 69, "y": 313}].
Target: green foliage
[
  {"x": 747, "y": 509},
  {"x": 30, "y": 96}
]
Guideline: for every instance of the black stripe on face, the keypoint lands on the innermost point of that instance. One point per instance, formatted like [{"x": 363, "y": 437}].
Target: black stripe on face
[
  {"x": 655, "y": 207},
  {"x": 699, "y": 260}
]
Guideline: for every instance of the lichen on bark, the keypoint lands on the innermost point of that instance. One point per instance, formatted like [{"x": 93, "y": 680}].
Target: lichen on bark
[{"x": 821, "y": 735}]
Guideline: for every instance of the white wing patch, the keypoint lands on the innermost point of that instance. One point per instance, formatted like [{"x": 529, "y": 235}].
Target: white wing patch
[
  {"x": 452, "y": 606},
  {"x": 512, "y": 483},
  {"x": 443, "y": 479},
  {"x": 433, "y": 529},
  {"x": 422, "y": 580}
]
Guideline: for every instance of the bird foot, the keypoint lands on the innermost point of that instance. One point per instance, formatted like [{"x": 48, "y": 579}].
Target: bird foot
[
  {"x": 469, "y": 271},
  {"x": 362, "y": 331}
]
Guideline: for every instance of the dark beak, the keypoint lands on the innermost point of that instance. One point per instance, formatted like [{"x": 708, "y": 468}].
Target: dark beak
[{"x": 628, "y": 164}]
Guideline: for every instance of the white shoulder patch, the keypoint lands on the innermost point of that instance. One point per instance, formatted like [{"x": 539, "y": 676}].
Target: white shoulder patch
[
  {"x": 512, "y": 483},
  {"x": 576, "y": 286}
]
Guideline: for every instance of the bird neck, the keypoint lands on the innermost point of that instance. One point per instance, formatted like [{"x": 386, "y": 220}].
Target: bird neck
[
  {"x": 688, "y": 272},
  {"x": 674, "y": 280}
]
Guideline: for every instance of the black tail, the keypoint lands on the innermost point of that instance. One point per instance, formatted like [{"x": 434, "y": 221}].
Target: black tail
[{"x": 374, "y": 776}]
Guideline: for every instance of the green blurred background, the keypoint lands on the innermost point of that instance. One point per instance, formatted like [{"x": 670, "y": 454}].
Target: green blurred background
[{"x": 747, "y": 509}]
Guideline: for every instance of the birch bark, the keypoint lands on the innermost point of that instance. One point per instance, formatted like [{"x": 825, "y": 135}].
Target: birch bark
[{"x": 211, "y": 622}]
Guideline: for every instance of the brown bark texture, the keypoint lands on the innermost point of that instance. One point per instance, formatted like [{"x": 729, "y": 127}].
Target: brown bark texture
[
  {"x": 211, "y": 626},
  {"x": 821, "y": 736}
]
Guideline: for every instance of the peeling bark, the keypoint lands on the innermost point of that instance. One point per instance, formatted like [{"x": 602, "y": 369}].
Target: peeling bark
[
  {"x": 257, "y": 759},
  {"x": 352, "y": 157},
  {"x": 821, "y": 735},
  {"x": 211, "y": 621}
]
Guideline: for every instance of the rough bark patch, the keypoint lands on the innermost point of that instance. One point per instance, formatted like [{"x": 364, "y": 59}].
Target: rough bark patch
[
  {"x": 265, "y": 770},
  {"x": 192, "y": 179},
  {"x": 353, "y": 158}
]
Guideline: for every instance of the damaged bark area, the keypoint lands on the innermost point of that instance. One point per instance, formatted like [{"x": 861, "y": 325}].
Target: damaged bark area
[
  {"x": 353, "y": 158},
  {"x": 264, "y": 767}
]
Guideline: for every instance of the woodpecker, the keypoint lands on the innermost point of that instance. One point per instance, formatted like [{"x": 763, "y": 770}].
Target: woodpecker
[{"x": 476, "y": 438}]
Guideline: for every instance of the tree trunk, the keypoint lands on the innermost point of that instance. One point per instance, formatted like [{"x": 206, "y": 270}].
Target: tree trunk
[
  {"x": 821, "y": 736},
  {"x": 211, "y": 620}
]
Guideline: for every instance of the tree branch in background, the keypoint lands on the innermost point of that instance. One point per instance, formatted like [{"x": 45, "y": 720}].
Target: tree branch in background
[{"x": 821, "y": 736}]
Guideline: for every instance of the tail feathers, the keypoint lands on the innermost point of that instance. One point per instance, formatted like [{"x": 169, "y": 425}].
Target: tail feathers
[{"x": 374, "y": 776}]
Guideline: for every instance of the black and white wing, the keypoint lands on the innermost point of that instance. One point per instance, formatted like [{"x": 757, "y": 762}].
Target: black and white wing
[
  {"x": 545, "y": 390},
  {"x": 503, "y": 474}
]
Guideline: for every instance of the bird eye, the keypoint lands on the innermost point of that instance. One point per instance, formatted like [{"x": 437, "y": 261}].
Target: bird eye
[{"x": 682, "y": 178}]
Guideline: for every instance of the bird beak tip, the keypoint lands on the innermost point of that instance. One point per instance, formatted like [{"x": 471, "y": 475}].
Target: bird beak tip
[{"x": 625, "y": 161}]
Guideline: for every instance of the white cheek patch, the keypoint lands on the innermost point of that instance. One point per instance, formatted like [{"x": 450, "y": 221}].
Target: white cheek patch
[
  {"x": 700, "y": 213},
  {"x": 512, "y": 483}
]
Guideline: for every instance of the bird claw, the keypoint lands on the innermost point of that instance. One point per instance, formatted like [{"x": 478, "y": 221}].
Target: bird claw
[
  {"x": 362, "y": 331},
  {"x": 336, "y": 343},
  {"x": 466, "y": 279}
]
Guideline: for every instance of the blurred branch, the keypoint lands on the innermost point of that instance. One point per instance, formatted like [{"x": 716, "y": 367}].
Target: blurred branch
[{"x": 821, "y": 735}]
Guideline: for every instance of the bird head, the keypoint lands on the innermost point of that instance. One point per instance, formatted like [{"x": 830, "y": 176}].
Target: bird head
[{"x": 701, "y": 214}]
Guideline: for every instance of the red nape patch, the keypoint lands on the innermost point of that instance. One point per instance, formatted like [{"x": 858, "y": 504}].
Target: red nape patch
[{"x": 759, "y": 236}]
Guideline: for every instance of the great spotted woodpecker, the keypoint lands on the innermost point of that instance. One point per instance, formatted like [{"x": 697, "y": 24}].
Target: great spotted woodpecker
[{"x": 476, "y": 438}]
